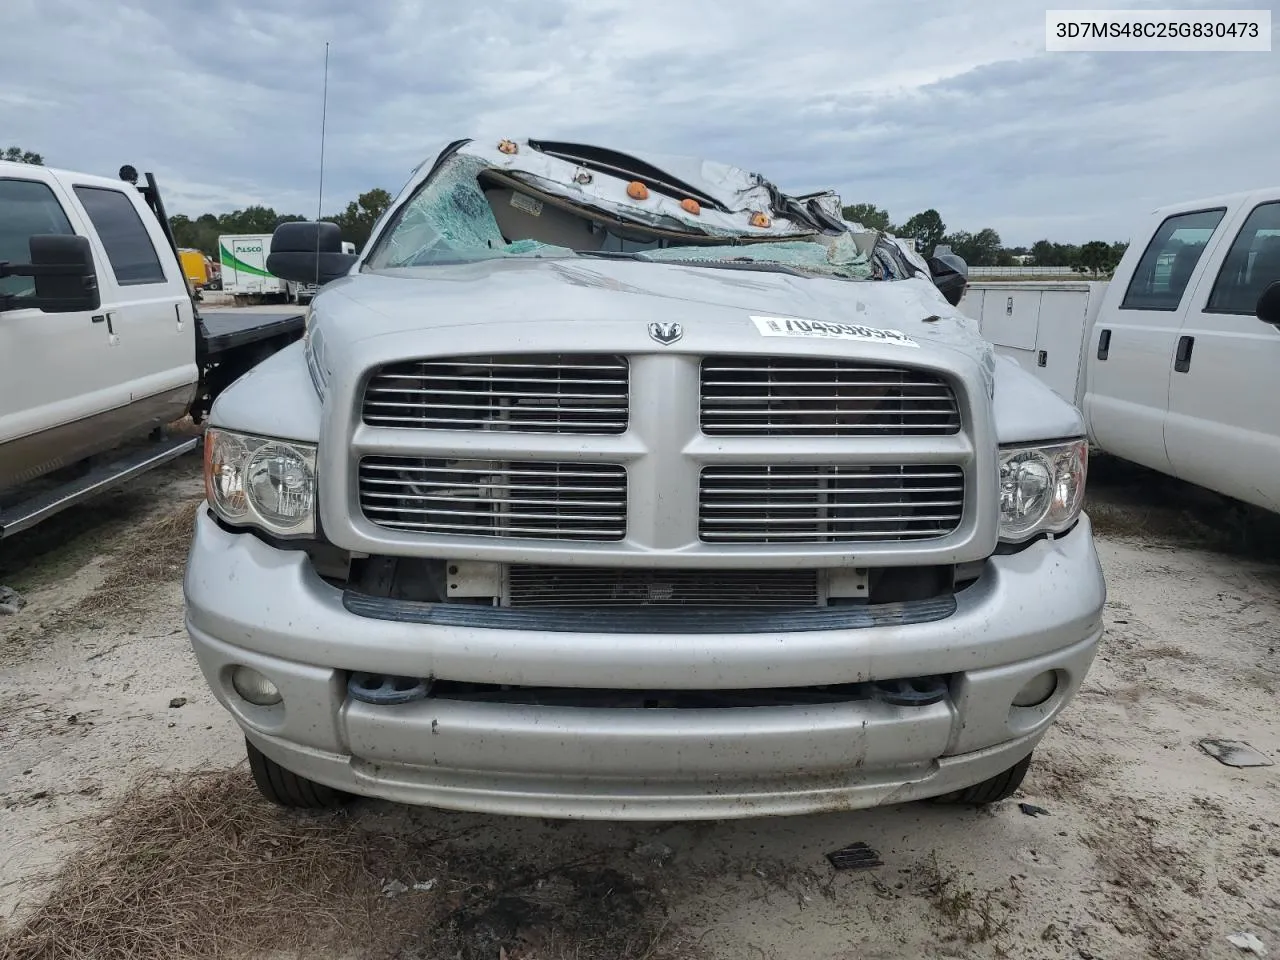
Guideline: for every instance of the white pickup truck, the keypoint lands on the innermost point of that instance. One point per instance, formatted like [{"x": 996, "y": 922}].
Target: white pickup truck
[
  {"x": 101, "y": 343},
  {"x": 1172, "y": 361}
]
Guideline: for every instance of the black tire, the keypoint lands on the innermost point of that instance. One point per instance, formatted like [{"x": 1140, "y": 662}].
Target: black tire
[
  {"x": 288, "y": 789},
  {"x": 1000, "y": 787}
]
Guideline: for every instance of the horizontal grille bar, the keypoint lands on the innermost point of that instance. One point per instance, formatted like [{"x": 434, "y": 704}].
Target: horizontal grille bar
[
  {"x": 829, "y": 504},
  {"x": 779, "y": 396},
  {"x": 485, "y": 498},
  {"x": 540, "y": 586},
  {"x": 556, "y": 393}
]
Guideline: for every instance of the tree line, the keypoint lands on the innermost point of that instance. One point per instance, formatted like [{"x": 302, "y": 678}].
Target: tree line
[
  {"x": 18, "y": 155},
  {"x": 355, "y": 221},
  {"x": 985, "y": 248},
  {"x": 981, "y": 249}
]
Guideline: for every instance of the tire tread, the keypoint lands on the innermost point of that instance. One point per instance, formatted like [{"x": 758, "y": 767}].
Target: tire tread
[
  {"x": 286, "y": 788},
  {"x": 1000, "y": 787}
]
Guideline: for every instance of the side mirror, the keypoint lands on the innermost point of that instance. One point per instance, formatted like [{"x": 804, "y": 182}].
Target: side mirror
[
  {"x": 1268, "y": 309},
  {"x": 950, "y": 275},
  {"x": 308, "y": 251},
  {"x": 66, "y": 280}
]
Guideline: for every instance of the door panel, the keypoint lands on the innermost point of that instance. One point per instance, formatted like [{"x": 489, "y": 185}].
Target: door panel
[
  {"x": 152, "y": 314},
  {"x": 1223, "y": 430},
  {"x": 1010, "y": 319},
  {"x": 1060, "y": 339},
  {"x": 55, "y": 368},
  {"x": 1128, "y": 392}
]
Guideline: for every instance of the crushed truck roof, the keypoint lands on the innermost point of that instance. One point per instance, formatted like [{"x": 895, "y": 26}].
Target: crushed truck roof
[
  {"x": 533, "y": 197},
  {"x": 685, "y": 194}
]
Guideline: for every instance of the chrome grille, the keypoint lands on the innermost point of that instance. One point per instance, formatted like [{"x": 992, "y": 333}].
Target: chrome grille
[
  {"x": 791, "y": 503},
  {"x": 764, "y": 396},
  {"x": 534, "y": 586},
  {"x": 555, "y": 393},
  {"x": 486, "y": 498}
]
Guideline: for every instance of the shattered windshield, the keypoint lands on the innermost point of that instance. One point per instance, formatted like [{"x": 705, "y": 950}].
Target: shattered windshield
[{"x": 458, "y": 215}]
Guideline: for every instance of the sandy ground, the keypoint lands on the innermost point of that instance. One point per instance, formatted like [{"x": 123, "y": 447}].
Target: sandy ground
[{"x": 1150, "y": 847}]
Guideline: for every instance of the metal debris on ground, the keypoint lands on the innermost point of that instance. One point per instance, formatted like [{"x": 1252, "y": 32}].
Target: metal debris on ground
[
  {"x": 1235, "y": 753},
  {"x": 177, "y": 702},
  {"x": 393, "y": 888},
  {"x": 11, "y": 601},
  {"x": 1247, "y": 942},
  {"x": 1031, "y": 810},
  {"x": 856, "y": 856}
]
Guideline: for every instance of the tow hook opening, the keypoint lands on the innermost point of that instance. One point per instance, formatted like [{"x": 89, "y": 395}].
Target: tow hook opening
[
  {"x": 382, "y": 688},
  {"x": 912, "y": 691}
]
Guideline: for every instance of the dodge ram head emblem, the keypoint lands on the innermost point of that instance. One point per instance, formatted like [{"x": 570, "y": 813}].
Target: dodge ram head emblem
[{"x": 666, "y": 333}]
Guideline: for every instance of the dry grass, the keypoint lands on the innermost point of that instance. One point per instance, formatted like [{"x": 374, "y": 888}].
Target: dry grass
[
  {"x": 60, "y": 545},
  {"x": 141, "y": 559},
  {"x": 972, "y": 916},
  {"x": 107, "y": 569},
  {"x": 1129, "y": 502},
  {"x": 200, "y": 866},
  {"x": 152, "y": 553}
]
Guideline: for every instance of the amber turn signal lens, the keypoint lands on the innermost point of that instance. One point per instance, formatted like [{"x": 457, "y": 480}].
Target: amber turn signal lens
[
  {"x": 691, "y": 206},
  {"x": 637, "y": 190}
]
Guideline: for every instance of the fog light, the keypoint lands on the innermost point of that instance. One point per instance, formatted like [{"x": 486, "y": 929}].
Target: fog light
[
  {"x": 1037, "y": 690},
  {"x": 254, "y": 687}
]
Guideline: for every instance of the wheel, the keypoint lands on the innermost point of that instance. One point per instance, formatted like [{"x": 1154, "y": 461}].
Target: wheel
[
  {"x": 1000, "y": 787},
  {"x": 288, "y": 789}
]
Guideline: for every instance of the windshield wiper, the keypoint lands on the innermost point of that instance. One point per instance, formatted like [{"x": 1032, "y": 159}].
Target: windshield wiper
[
  {"x": 739, "y": 263},
  {"x": 609, "y": 254}
]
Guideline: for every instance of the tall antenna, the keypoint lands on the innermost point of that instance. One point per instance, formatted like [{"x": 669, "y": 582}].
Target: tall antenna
[{"x": 324, "y": 116}]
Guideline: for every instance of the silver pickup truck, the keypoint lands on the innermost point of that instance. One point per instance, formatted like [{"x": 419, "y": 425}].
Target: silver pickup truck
[{"x": 631, "y": 487}]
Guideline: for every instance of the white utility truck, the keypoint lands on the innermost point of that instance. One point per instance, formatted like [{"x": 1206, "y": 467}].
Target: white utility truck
[
  {"x": 101, "y": 344},
  {"x": 244, "y": 268},
  {"x": 1172, "y": 361}
]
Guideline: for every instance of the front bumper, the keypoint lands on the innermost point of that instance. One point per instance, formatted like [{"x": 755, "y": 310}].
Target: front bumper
[{"x": 250, "y": 604}]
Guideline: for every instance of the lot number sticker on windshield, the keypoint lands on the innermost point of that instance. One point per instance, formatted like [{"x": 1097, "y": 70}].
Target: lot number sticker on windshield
[
  {"x": 824, "y": 330},
  {"x": 530, "y": 205}
]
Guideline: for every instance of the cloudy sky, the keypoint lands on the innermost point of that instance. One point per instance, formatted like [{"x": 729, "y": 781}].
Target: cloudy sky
[{"x": 906, "y": 104}]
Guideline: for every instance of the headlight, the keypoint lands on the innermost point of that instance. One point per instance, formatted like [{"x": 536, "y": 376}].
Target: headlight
[
  {"x": 260, "y": 481},
  {"x": 1041, "y": 488},
  {"x": 313, "y": 350}
]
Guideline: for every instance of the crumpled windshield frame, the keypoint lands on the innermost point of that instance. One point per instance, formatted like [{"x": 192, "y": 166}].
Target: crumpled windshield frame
[{"x": 449, "y": 219}]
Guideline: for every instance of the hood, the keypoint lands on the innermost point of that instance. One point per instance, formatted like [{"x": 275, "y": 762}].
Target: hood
[{"x": 571, "y": 290}]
